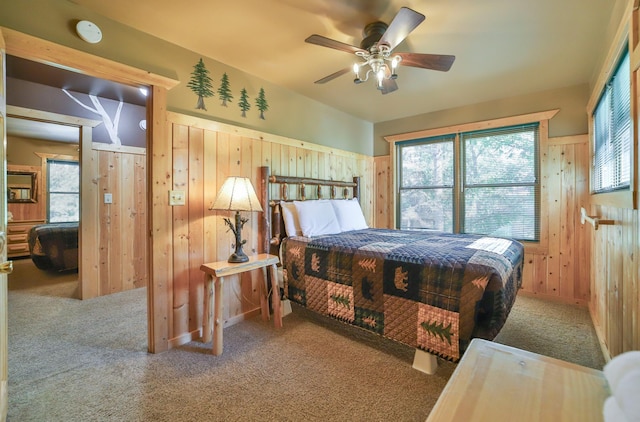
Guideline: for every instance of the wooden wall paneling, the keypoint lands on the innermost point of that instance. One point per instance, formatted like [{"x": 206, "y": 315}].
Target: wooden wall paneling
[
  {"x": 223, "y": 239},
  {"x": 635, "y": 288},
  {"x": 210, "y": 178},
  {"x": 583, "y": 231},
  {"x": 383, "y": 191},
  {"x": 233, "y": 285},
  {"x": 527, "y": 272},
  {"x": 127, "y": 221},
  {"x": 249, "y": 284},
  {"x": 104, "y": 164},
  {"x": 89, "y": 252},
  {"x": 180, "y": 306},
  {"x": 276, "y": 168},
  {"x": 114, "y": 250},
  {"x": 554, "y": 190},
  {"x": 616, "y": 286},
  {"x": 196, "y": 210},
  {"x": 567, "y": 224},
  {"x": 160, "y": 179},
  {"x": 627, "y": 251},
  {"x": 140, "y": 257}
]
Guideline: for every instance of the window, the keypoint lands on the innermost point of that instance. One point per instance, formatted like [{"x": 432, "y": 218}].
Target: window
[
  {"x": 482, "y": 182},
  {"x": 63, "y": 191},
  {"x": 612, "y": 133}
]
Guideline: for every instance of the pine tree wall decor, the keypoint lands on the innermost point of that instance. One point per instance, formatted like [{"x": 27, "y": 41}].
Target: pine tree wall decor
[
  {"x": 244, "y": 102},
  {"x": 224, "y": 92},
  {"x": 200, "y": 84},
  {"x": 261, "y": 103}
]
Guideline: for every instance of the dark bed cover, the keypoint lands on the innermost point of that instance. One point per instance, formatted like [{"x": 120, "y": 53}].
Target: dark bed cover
[
  {"x": 54, "y": 246},
  {"x": 429, "y": 290}
]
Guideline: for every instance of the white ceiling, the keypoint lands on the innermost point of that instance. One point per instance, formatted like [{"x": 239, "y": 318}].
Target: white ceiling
[
  {"x": 33, "y": 129},
  {"x": 503, "y": 48}
]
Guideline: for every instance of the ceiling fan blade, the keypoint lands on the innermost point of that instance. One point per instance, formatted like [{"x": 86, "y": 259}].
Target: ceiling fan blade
[
  {"x": 441, "y": 62},
  {"x": 328, "y": 42},
  {"x": 405, "y": 21},
  {"x": 388, "y": 85},
  {"x": 333, "y": 75}
]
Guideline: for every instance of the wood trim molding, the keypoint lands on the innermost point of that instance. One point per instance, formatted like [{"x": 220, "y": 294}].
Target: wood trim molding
[
  {"x": 47, "y": 52},
  {"x": 46, "y": 116},
  {"x": 468, "y": 127},
  {"x": 100, "y": 146}
]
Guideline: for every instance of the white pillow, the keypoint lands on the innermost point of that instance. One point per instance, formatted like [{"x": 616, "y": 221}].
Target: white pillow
[
  {"x": 317, "y": 217},
  {"x": 349, "y": 214},
  {"x": 290, "y": 216}
]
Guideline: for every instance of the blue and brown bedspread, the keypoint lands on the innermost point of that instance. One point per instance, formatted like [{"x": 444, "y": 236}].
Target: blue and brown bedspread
[{"x": 429, "y": 290}]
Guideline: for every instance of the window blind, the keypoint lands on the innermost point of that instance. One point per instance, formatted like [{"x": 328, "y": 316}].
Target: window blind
[{"x": 612, "y": 133}]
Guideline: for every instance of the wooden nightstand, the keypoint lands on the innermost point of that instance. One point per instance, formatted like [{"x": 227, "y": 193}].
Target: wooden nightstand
[{"x": 213, "y": 305}]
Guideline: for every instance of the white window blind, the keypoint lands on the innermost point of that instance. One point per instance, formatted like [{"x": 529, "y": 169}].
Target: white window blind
[{"x": 612, "y": 133}]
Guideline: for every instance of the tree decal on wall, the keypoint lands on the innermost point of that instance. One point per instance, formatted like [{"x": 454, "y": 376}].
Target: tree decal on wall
[
  {"x": 224, "y": 92},
  {"x": 261, "y": 103},
  {"x": 200, "y": 84},
  {"x": 244, "y": 102},
  {"x": 110, "y": 124}
]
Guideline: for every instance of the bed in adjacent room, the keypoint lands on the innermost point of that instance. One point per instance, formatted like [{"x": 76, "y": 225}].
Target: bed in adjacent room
[
  {"x": 54, "y": 246},
  {"x": 432, "y": 291}
]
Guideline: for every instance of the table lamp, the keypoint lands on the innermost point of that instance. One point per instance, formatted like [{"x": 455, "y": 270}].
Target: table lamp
[{"x": 237, "y": 194}]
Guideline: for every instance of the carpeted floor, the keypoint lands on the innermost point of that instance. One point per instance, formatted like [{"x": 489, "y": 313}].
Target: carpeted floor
[{"x": 72, "y": 360}]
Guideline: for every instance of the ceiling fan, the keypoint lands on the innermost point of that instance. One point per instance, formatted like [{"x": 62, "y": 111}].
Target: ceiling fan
[{"x": 376, "y": 51}]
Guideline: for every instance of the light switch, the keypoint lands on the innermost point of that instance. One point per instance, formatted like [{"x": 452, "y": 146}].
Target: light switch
[
  {"x": 176, "y": 197},
  {"x": 108, "y": 198}
]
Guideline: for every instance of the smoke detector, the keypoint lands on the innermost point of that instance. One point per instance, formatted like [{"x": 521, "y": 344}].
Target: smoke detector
[{"x": 89, "y": 32}]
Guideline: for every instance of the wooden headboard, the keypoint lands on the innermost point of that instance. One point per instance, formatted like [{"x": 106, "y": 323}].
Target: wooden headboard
[{"x": 272, "y": 221}]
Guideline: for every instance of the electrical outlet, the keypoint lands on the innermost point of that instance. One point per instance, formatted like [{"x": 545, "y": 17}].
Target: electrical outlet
[
  {"x": 108, "y": 198},
  {"x": 176, "y": 197}
]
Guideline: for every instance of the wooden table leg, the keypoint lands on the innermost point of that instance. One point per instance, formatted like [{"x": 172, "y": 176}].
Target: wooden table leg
[
  {"x": 207, "y": 324},
  {"x": 264, "y": 304},
  {"x": 275, "y": 297},
  {"x": 218, "y": 322}
]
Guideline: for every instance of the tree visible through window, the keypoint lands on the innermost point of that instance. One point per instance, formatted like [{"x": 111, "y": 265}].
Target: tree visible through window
[
  {"x": 63, "y": 191},
  {"x": 482, "y": 182}
]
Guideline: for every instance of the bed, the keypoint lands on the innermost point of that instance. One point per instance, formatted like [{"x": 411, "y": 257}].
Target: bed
[
  {"x": 432, "y": 291},
  {"x": 54, "y": 246}
]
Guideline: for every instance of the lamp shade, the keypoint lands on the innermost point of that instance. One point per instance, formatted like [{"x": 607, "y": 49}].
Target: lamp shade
[{"x": 237, "y": 194}]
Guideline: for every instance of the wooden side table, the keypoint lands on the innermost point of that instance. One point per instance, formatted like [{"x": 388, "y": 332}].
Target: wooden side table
[
  {"x": 494, "y": 382},
  {"x": 213, "y": 305}
]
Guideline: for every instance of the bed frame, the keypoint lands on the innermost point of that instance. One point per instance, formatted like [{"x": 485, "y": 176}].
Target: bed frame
[{"x": 272, "y": 224}]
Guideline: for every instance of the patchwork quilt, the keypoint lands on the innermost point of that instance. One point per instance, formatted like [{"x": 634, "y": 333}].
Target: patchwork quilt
[
  {"x": 54, "y": 246},
  {"x": 430, "y": 290}
]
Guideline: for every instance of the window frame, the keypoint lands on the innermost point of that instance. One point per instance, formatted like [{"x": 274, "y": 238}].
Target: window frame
[
  {"x": 624, "y": 198},
  {"x": 541, "y": 117},
  {"x": 459, "y": 184},
  {"x": 50, "y": 161}
]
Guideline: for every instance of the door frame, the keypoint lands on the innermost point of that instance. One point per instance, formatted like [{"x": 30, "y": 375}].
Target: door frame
[
  {"x": 84, "y": 127},
  {"x": 35, "y": 49}
]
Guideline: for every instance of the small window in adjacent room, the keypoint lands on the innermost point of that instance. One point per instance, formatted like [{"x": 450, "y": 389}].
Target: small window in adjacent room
[
  {"x": 63, "y": 190},
  {"x": 612, "y": 133}
]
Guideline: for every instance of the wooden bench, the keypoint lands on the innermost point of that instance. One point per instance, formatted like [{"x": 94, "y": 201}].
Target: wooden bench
[{"x": 494, "y": 382}]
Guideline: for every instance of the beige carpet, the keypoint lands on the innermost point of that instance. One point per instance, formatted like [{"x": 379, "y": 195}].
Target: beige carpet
[{"x": 72, "y": 360}]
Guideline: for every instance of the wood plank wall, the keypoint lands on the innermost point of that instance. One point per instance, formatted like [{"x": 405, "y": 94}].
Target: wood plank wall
[
  {"x": 117, "y": 248},
  {"x": 558, "y": 267},
  {"x": 197, "y": 160},
  {"x": 615, "y": 280}
]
